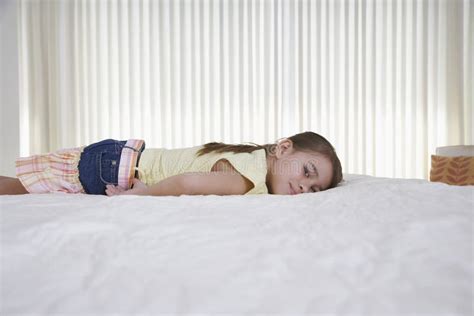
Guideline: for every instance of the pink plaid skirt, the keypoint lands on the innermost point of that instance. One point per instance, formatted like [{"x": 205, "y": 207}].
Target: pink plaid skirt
[{"x": 52, "y": 172}]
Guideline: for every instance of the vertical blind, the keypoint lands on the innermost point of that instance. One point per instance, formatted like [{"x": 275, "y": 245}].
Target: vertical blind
[{"x": 385, "y": 81}]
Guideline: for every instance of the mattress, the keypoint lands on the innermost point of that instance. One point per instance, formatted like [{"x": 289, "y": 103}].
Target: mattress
[{"x": 371, "y": 246}]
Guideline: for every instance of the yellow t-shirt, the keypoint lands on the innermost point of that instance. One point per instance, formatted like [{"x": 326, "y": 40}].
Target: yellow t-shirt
[{"x": 157, "y": 164}]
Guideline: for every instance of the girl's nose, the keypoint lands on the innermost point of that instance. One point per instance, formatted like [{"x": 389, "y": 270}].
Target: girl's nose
[{"x": 303, "y": 188}]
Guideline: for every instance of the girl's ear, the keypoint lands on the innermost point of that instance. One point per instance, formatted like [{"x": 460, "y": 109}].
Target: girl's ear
[{"x": 284, "y": 146}]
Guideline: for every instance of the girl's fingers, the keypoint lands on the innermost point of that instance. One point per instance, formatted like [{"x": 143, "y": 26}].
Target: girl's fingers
[
  {"x": 109, "y": 192},
  {"x": 112, "y": 190}
]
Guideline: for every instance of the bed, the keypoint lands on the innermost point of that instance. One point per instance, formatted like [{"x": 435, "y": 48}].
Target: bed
[{"x": 372, "y": 246}]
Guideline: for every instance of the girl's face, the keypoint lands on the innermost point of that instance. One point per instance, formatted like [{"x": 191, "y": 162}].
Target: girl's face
[{"x": 291, "y": 172}]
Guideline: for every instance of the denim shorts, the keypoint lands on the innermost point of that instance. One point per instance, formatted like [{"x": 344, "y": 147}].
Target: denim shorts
[{"x": 99, "y": 165}]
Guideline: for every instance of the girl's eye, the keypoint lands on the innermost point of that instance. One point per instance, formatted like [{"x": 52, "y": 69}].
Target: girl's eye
[{"x": 306, "y": 173}]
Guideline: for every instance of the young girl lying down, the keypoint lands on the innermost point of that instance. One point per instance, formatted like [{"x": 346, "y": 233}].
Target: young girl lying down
[{"x": 302, "y": 163}]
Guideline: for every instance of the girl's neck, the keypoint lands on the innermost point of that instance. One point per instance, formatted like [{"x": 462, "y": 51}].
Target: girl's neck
[{"x": 269, "y": 177}]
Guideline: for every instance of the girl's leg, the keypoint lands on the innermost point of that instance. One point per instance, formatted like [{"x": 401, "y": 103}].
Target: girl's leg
[{"x": 11, "y": 186}]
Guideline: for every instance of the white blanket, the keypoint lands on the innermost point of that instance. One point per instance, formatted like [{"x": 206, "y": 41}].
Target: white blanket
[{"x": 371, "y": 246}]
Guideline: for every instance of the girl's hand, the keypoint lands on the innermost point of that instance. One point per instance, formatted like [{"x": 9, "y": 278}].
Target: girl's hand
[{"x": 116, "y": 190}]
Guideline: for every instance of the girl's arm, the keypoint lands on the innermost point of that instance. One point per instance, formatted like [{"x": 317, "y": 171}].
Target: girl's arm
[{"x": 193, "y": 183}]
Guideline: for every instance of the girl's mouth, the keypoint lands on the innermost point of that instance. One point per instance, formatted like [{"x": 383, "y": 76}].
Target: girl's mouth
[{"x": 292, "y": 192}]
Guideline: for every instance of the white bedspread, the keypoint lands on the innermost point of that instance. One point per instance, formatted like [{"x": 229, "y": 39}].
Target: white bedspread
[{"x": 373, "y": 246}]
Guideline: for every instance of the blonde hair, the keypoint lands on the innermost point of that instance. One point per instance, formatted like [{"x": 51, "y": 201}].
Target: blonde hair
[{"x": 308, "y": 142}]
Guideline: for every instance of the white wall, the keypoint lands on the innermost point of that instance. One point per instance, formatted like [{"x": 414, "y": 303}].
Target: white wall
[{"x": 9, "y": 96}]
